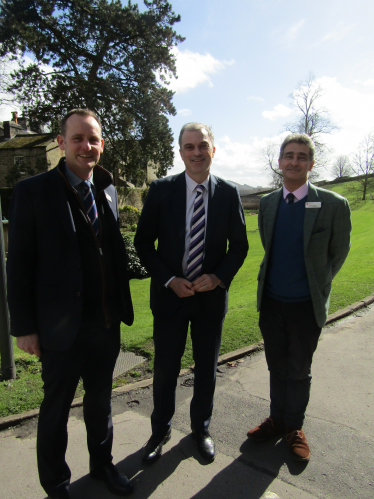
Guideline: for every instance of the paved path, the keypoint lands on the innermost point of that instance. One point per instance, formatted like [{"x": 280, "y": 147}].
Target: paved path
[{"x": 339, "y": 428}]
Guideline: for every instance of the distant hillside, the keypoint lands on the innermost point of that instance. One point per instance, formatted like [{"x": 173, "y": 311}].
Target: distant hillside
[
  {"x": 245, "y": 189},
  {"x": 354, "y": 198}
]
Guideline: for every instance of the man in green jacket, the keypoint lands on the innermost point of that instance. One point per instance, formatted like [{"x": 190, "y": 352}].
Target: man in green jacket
[{"x": 305, "y": 232}]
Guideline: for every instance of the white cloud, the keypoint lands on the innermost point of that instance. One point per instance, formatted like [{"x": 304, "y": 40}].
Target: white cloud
[
  {"x": 255, "y": 98},
  {"x": 184, "y": 112},
  {"x": 293, "y": 31},
  {"x": 338, "y": 33},
  {"x": 194, "y": 69},
  {"x": 351, "y": 109},
  {"x": 366, "y": 83},
  {"x": 278, "y": 111},
  {"x": 235, "y": 160}
]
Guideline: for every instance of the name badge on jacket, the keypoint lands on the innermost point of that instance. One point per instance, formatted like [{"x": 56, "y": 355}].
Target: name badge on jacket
[{"x": 316, "y": 204}]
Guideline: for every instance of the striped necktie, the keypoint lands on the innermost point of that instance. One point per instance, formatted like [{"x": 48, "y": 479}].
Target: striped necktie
[
  {"x": 197, "y": 234},
  {"x": 90, "y": 205}
]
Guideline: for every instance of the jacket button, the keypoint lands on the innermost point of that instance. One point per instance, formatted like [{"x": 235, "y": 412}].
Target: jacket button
[{"x": 79, "y": 293}]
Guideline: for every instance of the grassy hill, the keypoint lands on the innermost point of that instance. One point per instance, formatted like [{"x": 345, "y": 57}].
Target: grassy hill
[{"x": 354, "y": 198}]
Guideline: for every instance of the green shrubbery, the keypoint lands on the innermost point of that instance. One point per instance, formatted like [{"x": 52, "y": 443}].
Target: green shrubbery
[
  {"x": 128, "y": 218},
  {"x": 134, "y": 267}
]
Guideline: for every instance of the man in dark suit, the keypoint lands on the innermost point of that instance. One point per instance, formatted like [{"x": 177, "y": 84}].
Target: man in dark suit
[
  {"x": 305, "y": 232},
  {"x": 193, "y": 216},
  {"x": 68, "y": 291}
]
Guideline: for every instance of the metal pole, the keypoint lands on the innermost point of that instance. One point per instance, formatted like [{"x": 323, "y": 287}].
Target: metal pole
[{"x": 8, "y": 366}]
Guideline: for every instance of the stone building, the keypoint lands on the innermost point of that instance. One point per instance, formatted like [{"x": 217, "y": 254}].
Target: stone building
[
  {"x": 24, "y": 152},
  {"x": 23, "y": 156}
]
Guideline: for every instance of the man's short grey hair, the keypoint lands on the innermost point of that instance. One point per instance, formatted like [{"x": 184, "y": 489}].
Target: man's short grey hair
[
  {"x": 298, "y": 138},
  {"x": 194, "y": 126}
]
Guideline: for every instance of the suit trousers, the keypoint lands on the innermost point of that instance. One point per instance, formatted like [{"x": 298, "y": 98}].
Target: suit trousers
[
  {"x": 290, "y": 334},
  {"x": 92, "y": 357},
  {"x": 170, "y": 334}
]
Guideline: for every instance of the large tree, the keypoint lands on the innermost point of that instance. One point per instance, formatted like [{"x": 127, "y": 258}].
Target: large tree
[
  {"x": 312, "y": 118},
  {"x": 102, "y": 55}
]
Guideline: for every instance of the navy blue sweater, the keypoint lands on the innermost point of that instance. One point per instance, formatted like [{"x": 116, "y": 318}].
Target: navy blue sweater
[{"x": 286, "y": 278}]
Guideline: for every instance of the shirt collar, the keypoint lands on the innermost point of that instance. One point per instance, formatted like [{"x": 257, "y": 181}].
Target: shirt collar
[
  {"x": 191, "y": 184},
  {"x": 73, "y": 179},
  {"x": 300, "y": 193}
]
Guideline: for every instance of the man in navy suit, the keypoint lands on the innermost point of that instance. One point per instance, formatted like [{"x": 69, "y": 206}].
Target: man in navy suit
[
  {"x": 198, "y": 222},
  {"x": 68, "y": 292}
]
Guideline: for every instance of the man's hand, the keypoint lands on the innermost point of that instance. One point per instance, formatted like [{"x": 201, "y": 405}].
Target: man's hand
[
  {"x": 206, "y": 282},
  {"x": 30, "y": 344},
  {"x": 181, "y": 287}
]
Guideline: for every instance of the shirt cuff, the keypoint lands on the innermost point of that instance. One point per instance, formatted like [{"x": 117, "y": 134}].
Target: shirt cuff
[{"x": 167, "y": 284}]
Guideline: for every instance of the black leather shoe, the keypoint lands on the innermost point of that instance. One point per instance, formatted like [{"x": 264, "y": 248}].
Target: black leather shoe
[
  {"x": 153, "y": 449},
  {"x": 205, "y": 445},
  {"x": 115, "y": 482},
  {"x": 60, "y": 494}
]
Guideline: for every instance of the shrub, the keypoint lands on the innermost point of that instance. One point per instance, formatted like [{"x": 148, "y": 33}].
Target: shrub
[
  {"x": 134, "y": 267},
  {"x": 128, "y": 216}
]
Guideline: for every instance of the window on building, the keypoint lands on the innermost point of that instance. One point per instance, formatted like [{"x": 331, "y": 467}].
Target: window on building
[{"x": 19, "y": 161}]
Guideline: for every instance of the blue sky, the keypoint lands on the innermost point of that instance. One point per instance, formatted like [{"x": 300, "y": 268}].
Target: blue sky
[{"x": 242, "y": 59}]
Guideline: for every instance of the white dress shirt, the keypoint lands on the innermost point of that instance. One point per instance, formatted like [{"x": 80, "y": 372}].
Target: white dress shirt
[{"x": 190, "y": 199}]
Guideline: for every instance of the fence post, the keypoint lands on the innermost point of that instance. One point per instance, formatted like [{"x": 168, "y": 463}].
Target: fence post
[{"x": 8, "y": 367}]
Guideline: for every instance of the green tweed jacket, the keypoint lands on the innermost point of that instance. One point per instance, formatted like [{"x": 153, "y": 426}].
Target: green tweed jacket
[{"x": 326, "y": 242}]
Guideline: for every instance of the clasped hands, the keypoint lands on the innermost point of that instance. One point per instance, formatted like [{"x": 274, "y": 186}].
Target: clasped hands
[{"x": 183, "y": 288}]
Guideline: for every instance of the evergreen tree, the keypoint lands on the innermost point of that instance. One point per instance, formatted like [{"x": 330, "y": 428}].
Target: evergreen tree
[{"x": 102, "y": 55}]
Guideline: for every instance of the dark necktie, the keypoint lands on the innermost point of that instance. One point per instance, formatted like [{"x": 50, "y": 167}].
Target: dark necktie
[
  {"x": 290, "y": 197},
  {"x": 196, "y": 251},
  {"x": 90, "y": 205}
]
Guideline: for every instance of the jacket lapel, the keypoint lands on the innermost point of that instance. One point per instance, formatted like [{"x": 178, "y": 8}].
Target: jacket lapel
[
  {"x": 60, "y": 206},
  {"x": 215, "y": 200},
  {"x": 310, "y": 214},
  {"x": 271, "y": 215},
  {"x": 179, "y": 207}
]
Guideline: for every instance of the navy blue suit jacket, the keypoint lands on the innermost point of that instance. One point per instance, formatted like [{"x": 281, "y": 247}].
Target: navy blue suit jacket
[
  {"x": 164, "y": 219},
  {"x": 44, "y": 276}
]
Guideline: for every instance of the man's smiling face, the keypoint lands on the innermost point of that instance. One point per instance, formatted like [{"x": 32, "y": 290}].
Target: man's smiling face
[
  {"x": 295, "y": 165},
  {"x": 82, "y": 144},
  {"x": 197, "y": 153}
]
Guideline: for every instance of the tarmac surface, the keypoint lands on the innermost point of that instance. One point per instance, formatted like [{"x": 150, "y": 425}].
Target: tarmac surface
[{"x": 339, "y": 427}]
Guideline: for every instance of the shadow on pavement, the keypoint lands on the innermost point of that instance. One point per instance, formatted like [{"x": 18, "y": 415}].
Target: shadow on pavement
[
  {"x": 145, "y": 478},
  {"x": 252, "y": 473},
  {"x": 248, "y": 476}
]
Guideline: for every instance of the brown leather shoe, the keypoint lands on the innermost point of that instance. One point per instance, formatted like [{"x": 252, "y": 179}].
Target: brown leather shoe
[
  {"x": 267, "y": 430},
  {"x": 299, "y": 447}
]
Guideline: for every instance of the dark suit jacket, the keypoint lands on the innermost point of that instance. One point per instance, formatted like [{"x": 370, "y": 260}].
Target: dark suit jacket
[
  {"x": 164, "y": 219},
  {"x": 44, "y": 276},
  {"x": 326, "y": 242}
]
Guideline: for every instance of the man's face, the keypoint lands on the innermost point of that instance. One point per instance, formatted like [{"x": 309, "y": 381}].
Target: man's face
[
  {"x": 82, "y": 144},
  {"x": 295, "y": 165},
  {"x": 197, "y": 153}
]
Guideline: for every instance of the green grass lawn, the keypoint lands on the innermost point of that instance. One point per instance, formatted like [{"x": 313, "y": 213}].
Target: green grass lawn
[{"x": 354, "y": 282}]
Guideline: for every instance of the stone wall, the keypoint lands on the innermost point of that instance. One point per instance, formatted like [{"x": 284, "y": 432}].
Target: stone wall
[
  {"x": 34, "y": 157},
  {"x": 132, "y": 197}
]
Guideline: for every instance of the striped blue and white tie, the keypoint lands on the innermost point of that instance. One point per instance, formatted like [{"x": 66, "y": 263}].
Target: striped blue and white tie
[
  {"x": 197, "y": 234},
  {"x": 90, "y": 206}
]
